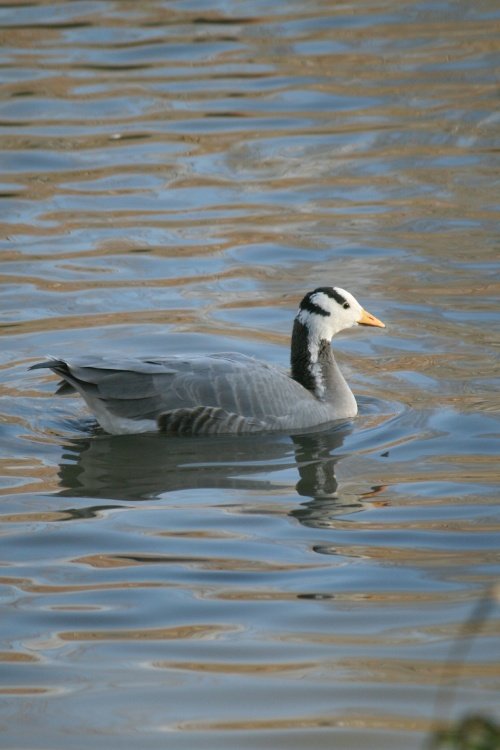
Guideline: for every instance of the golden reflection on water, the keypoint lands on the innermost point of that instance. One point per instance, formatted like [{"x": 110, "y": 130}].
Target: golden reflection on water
[
  {"x": 17, "y": 656},
  {"x": 150, "y": 634},
  {"x": 368, "y": 722},
  {"x": 30, "y": 586},
  {"x": 212, "y": 563}
]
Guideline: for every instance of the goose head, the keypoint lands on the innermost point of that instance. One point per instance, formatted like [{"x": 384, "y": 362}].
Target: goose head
[
  {"x": 328, "y": 310},
  {"x": 323, "y": 313}
]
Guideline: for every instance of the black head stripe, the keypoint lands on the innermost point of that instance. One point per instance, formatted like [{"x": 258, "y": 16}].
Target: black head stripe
[
  {"x": 312, "y": 307},
  {"x": 332, "y": 293}
]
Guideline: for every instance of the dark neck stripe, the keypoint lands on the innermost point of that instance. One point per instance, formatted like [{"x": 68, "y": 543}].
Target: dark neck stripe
[
  {"x": 304, "y": 370},
  {"x": 301, "y": 357}
]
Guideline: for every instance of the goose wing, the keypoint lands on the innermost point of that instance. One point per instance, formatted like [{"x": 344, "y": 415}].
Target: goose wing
[{"x": 143, "y": 389}]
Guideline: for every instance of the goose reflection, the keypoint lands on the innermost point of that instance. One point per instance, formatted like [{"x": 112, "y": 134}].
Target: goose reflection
[{"x": 145, "y": 467}]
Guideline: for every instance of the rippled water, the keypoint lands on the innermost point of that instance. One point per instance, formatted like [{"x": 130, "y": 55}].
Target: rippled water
[{"x": 175, "y": 175}]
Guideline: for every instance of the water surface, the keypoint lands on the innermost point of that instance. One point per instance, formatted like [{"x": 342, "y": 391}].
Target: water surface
[{"x": 175, "y": 175}]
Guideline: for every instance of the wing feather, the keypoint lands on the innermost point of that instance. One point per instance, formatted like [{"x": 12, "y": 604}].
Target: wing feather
[
  {"x": 207, "y": 420},
  {"x": 202, "y": 394}
]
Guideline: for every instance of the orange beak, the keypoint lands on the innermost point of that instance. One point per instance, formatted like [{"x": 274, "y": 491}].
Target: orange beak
[{"x": 367, "y": 319}]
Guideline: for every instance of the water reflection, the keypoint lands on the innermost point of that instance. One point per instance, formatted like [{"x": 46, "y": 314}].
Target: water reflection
[{"x": 144, "y": 467}]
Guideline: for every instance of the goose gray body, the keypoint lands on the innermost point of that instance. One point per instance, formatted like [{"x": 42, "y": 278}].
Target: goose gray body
[{"x": 226, "y": 392}]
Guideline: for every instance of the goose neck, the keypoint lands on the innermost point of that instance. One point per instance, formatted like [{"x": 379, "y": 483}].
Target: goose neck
[{"x": 312, "y": 361}]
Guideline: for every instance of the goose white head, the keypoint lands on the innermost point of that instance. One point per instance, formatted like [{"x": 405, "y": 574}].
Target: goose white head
[{"x": 328, "y": 310}]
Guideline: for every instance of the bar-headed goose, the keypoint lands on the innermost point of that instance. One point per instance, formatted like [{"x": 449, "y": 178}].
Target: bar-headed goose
[{"x": 226, "y": 392}]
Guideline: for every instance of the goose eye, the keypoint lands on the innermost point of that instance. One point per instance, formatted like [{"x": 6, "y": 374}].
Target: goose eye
[{"x": 346, "y": 305}]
